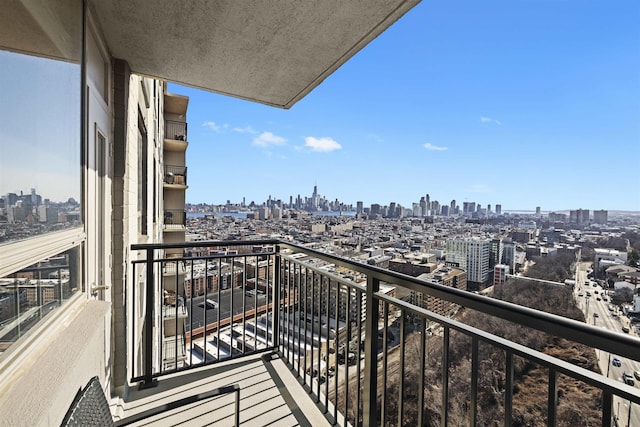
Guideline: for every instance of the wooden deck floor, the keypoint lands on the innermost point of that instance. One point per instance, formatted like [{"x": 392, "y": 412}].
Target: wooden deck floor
[{"x": 269, "y": 395}]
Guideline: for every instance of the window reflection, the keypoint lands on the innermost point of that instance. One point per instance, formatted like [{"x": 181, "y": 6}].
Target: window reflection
[
  {"x": 40, "y": 171},
  {"x": 32, "y": 293}
]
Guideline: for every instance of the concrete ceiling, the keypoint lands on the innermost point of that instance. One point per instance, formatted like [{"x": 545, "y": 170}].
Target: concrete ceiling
[{"x": 273, "y": 51}]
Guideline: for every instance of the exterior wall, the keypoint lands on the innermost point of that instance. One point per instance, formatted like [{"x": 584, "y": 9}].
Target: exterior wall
[{"x": 63, "y": 362}]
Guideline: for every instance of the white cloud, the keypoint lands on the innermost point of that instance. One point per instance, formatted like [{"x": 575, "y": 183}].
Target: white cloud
[
  {"x": 432, "y": 147},
  {"x": 489, "y": 120},
  {"x": 267, "y": 139},
  {"x": 212, "y": 125},
  {"x": 246, "y": 129},
  {"x": 375, "y": 137},
  {"x": 323, "y": 145}
]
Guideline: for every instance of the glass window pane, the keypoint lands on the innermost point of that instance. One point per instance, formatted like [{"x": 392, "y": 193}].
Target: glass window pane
[
  {"x": 40, "y": 165},
  {"x": 30, "y": 294}
]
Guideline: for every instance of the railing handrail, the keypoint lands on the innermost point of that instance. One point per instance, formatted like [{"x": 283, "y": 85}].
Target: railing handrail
[
  {"x": 585, "y": 375},
  {"x": 624, "y": 345}
]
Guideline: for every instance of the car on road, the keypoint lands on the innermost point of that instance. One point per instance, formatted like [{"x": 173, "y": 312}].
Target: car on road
[
  {"x": 625, "y": 329},
  {"x": 596, "y": 315},
  {"x": 616, "y": 362},
  {"x": 580, "y": 294},
  {"x": 628, "y": 379},
  {"x": 636, "y": 374},
  {"x": 598, "y": 299}
]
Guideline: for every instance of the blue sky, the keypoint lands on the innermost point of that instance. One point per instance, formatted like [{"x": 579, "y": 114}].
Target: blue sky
[{"x": 518, "y": 103}]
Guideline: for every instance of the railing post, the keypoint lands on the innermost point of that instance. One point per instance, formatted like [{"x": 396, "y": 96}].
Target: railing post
[
  {"x": 147, "y": 330},
  {"x": 276, "y": 298},
  {"x": 370, "y": 399}
]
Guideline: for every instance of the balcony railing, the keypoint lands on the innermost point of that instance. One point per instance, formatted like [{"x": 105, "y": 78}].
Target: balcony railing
[
  {"x": 175, "y": 219},
  {"x": 327, "y": 317},
  {"x": 175, "y": 175},
  {"x": 175, "y": 130}
]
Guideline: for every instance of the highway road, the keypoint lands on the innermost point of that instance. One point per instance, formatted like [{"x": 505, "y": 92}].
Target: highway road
[{"x": 627, "y": 413}]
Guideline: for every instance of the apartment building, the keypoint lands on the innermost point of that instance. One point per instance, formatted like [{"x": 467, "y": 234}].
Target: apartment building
[
  {"x": 471, "y": 255},
  {"x": 119, "y": 139}
]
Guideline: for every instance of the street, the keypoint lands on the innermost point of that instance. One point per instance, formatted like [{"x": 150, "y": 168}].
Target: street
[{"x": 597, "y": 312}]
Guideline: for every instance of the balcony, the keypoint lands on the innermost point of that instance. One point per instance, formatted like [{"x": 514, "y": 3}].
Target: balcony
[
  {"x": 357, "y": 352},
  {"x": 175, "y": 177},
  {"x": 175, "y": 135},
  {"x": 175, "y": 220}
]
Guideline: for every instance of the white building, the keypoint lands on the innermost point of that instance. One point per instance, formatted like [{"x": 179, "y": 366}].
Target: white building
[
  {"x": 605, "y": 258},
  {"x": 471, "y": 255}
]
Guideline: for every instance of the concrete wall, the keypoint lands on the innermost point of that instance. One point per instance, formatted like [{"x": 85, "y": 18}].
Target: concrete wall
[{"x": 50, "y": 374}]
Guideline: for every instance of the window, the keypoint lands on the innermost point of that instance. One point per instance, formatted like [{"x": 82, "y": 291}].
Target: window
[
  {"x": 41, "y": 215},
  {"x": 29, "y": 295}
]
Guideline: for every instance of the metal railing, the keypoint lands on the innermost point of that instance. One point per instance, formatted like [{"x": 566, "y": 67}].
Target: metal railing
[
  {"x": 175, "y": 175},
  {"x": 175, "y": 130},
  {"x": 334, "y": 333},
  {"x": 175, "y": 218}
]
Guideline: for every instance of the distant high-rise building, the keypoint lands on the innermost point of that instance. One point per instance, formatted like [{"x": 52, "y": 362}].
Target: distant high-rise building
[
  {"x": 452, "y": 207},
  {"x": 579, "y": 216},
  {"x": 427, "y": 200},
  {"x": 509, "y": 254},
  {"x": 600, "y": 217},
  {"x": 423, "y": 206},
  {"x": 495, "y": 254},
  {"x": 498, "y": 209},
  {"x": 359, "y": 207},
  {"x": 471, "y": 255},
  {"x": 489, "y": 208},
  {"x": 538, "y": 210}
]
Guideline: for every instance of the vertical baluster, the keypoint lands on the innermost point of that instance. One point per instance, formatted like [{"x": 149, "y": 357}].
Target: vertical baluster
[
  {"x": 304, "y": 308},
  {"x": 607, "y": 408},
  {"x": 508, "y": 393},
  {"x": 204, "y": 309},
  {"x": 475, "y": 366},
  {"x": 347, "y": 320},
  {"x": 444, "y": 414},
  {"x": 358, "y": 373},
  {"x": 327, "y": 318},
  {"x": 191, "y": 294},
  {"x": 231, "y": 311},
  {"x": 385, "y": 360},
  {"x": 175, "y": 316},
  {"x": 552, "y": 398},
  {"x": 423, "y": 342},
  {"x": 255, "y": 304},
  {"x": 401, "y": 371},
  {"x": 336, "y": 346},
  {"x": 275, "y": 302},
  {"x": 219, "y": 308},
  {"x": 244, "y": 305},
  {"x": 371, "y": 354}
]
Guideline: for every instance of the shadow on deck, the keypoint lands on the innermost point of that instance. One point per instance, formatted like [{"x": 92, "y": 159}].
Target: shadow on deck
[{"x": 269, "y": 395}]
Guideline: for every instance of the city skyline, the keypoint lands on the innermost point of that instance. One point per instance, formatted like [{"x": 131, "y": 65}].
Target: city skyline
[{"x": 513, "y": 103}]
